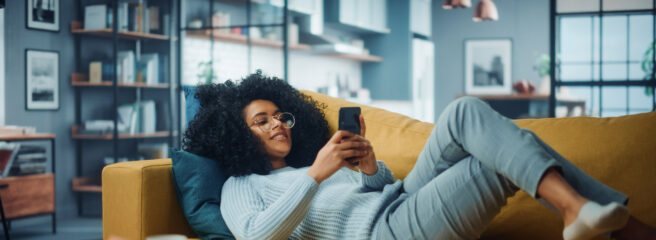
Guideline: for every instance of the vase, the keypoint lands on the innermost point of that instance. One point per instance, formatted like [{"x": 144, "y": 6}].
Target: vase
[{"x": 545, "y": 85}]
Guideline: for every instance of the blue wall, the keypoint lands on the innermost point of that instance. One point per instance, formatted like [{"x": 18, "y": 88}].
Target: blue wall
[{"x": 525, "y": 22}]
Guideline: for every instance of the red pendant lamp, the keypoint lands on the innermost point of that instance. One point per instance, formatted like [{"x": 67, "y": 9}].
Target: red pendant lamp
[
  {"x": 486, "y": 11},
  {"x": 449, "y": 4}
]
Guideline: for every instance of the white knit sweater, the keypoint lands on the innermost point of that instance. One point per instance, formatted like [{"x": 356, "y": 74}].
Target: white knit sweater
[{"x": 288, "y": 203}]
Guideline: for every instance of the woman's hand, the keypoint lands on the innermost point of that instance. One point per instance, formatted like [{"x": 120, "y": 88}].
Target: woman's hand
[
  {"x": 366, "y": 163},
  {"x": 333, "y": 155}
]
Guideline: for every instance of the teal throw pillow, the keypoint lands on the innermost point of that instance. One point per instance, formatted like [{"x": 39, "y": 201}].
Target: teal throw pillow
[{"x": 198, "y": 183}]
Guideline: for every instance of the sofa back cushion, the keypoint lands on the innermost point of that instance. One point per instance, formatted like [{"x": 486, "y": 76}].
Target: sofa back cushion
[
  {"x": 397, "y": 139},
  {"x": 619, "y": 152},
  {"x": 198, "y": 183}
]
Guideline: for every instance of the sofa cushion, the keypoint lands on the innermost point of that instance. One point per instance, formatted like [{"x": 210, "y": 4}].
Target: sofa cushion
[{"x": 198, "y": 183}]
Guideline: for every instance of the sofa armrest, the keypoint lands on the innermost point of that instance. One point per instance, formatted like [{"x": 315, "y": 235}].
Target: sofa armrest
[{"x": 139, "y": 200}]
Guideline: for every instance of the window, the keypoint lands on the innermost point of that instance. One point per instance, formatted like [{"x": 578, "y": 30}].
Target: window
[{"x": 599, "y": 63}]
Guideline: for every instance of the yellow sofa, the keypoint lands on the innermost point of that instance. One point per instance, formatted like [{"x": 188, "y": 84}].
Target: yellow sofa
[{"x": 139, "y": 199}]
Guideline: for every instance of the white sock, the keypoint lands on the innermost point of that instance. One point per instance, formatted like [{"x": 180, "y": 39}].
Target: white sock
[{"x": 594, "y": 219}]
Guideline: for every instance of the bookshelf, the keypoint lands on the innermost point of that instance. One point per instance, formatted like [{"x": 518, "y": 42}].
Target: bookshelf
[{"x": 125, "y": 65}]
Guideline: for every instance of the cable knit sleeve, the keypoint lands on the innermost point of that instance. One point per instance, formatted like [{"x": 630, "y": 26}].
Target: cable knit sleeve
[
  {"x": 247, "y": 217},
  {"x": 377, "y": 181}
]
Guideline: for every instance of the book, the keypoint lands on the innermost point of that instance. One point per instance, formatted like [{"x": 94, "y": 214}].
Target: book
[
  {"x": 11, "y": 130},
  {"x": 8, "y": 152},
  {"x": 126, "y": 69},
  {"x": 127, "y": 118},
  {"x": 95, "y": 72},
  {"x": 153, "y": 19},
  {"x": 122, "y": 16},
  {"x": 148, "y": 116},
  {"x": 95, "y": 17},
  {"x": 150, "y": 67}
]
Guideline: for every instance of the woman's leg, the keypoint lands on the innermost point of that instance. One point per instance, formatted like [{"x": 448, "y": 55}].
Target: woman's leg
[
  {"x": 457, "y": 204},
  {"x": 469, "y": 126}
]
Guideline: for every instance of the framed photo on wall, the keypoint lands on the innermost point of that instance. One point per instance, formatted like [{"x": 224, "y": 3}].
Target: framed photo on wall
[
  {"x": 43, "y": 14},
  {"x": 488, "y": 66},
  {"x": 41, "y": 80}
]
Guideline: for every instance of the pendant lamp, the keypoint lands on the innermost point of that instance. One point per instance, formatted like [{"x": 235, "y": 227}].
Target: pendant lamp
[
  {"x": 486, "y": 10},
  {"x": 449, "y": 4}
]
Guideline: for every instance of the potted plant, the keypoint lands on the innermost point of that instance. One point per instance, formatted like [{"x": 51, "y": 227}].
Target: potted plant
[
  {"x": 206, "y": 74},
  {"x": 648, "y": 66},
  {"x": 542, "y": 66}
]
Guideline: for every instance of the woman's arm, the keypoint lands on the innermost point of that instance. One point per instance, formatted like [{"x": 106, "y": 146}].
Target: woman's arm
[
  {"x": 379, "y": 179},
  {"x": 248, "y": 218}
]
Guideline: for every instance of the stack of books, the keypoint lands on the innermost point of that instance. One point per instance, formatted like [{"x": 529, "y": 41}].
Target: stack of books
[
  {"x": 30, "y": 159},
  {"x": 20, "y": 160}
]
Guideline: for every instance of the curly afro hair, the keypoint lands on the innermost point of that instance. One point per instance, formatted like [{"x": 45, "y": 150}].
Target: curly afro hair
[{"x": 219, "y": 131}]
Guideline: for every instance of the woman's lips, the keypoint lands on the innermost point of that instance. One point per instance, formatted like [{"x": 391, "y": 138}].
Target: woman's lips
[{"x": 279, "y": 136}]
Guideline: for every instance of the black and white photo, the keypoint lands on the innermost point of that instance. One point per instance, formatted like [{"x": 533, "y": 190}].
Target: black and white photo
[
  {"x": 42, "y": 80},
  {"x": 488, "y": 66},
  {"x": 43, "y": 14}
]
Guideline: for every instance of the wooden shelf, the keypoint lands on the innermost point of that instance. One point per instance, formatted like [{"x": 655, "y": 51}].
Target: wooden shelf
[
  {"x": 357, "y": 57},
  {"x": 86, "y": 184},
  {"x": 36, "y": 136},
  {"x": 77, "y": 28},
  {"x": 81, "y": 80},
  {"x": 511, "y": 96},
  {"x": 243, "y": 39},
  {"x": 76, "y": 135}
]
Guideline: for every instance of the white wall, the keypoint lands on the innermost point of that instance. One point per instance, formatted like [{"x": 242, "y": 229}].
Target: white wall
[{"x": 2, "y": 67}]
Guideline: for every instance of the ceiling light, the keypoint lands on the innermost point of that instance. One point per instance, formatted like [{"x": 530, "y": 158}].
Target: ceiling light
[
  {"x": 449, "y": 4},
  {"x": 486, "y": 10}
]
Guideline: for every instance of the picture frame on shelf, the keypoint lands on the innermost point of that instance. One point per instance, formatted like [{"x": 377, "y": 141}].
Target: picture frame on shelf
[
  {"x": 488, "y": 65},
  {"x": 43, "y": 15},
  {"x": 41, "y": 80}
]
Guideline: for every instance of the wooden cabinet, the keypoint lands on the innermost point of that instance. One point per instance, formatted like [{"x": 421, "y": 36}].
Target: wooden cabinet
[
  {"x": 361, "y": 16},
  {"x": 30, "y": 195},
  {"x": 420, "y": 17}
]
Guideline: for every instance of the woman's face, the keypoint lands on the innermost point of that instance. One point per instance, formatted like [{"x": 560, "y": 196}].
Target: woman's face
[{"x": 276, "y": 141}]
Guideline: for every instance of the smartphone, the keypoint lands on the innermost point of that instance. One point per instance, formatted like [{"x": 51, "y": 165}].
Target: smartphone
[{"x": 349, "y": 119}]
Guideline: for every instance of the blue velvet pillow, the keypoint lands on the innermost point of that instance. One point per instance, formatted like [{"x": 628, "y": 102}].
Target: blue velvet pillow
[{"x": 198, "y": 183}]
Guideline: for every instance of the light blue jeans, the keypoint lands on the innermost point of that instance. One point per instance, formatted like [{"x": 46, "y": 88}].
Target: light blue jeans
[{"x": 474, "y": 160}]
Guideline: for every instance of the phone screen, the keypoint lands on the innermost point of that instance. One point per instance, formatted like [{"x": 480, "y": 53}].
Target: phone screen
[{"x": 349, "y": 119}]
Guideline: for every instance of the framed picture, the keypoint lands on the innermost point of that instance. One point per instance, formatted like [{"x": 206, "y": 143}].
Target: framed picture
[
  {"x": 487, "y": 66},
  {"x": 43, "y": 14},
  {"x": 41, "y": 80}
]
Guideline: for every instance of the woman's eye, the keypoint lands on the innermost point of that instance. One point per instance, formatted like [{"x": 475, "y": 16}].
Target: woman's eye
[{"x": 261, "y": 122}]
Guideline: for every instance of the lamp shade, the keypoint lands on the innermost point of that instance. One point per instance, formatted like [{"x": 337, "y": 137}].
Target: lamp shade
[
  {"x": 486, "y": 10},
  {"x": 449, "y": 4}
]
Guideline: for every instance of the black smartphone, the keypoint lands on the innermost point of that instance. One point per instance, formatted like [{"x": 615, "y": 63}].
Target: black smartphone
[{"x": 349, "y": 119}]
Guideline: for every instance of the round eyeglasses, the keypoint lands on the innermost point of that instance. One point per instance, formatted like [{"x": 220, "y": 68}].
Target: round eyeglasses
[{"x": 265, "y": 123}]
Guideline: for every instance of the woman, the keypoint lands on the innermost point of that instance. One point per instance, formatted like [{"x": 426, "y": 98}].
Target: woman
[{"x": 288, "y": 176}]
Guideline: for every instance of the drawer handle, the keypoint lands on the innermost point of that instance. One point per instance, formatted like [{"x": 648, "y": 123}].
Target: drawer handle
[{"x": 4, "y": 185}]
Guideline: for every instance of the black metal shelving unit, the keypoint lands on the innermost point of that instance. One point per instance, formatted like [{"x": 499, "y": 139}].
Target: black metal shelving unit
[
  {"x": 182, "y": 30},
  {"x": 557, "y": 81},
  {"x": 136, "y": 41}
]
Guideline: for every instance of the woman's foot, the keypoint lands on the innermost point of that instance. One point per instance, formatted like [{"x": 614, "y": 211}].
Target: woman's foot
[{"x": 594, "y": 219}]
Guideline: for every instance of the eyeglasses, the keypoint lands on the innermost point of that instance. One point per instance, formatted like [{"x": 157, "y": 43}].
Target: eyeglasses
[{"x": 265, "y": 123}]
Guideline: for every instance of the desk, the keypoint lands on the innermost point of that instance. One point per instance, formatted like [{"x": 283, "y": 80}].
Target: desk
[{"x": 30, "y": 195}]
